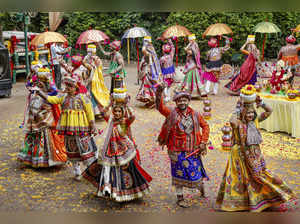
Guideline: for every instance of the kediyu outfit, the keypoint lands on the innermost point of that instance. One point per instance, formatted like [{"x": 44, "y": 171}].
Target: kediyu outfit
[
  {"x": 213, "y": 67},
  {"x": 117, "y": 173},
  {"x": 43, "y": 147},
  {"x": 247, "y": 184},
  {"x": 182, "y": 134},
  {"x": 116, "y": 66},
  {"x": 149, "y": 73},
  {"x": 167, "y": 67},
  {"x": 74, "y": 122}
]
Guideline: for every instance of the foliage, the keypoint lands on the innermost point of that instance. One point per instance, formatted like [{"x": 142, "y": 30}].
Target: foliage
[{"x": 114, "y": 24}]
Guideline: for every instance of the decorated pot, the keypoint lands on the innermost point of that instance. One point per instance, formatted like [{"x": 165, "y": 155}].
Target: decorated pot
[
  {"x": 292, "y": 96},
  {"x": 119, "y": 94},
  {"x": 258, "y": 87},
  {"x": 206, "y": 115}
]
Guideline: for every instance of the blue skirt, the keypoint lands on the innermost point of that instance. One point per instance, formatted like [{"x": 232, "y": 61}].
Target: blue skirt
[{"x": 188, "y": 172}]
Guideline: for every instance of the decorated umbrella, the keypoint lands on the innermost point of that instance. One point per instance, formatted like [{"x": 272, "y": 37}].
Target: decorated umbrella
[
  {"x": 217, "y": 29},
  {"x": 266, "y": 27},
  {"x": 296, "y": 30},
  {"x": 48, "y": 37},
  {"x": 134, "y": 33},
  {"x": 175, "y": 31},
  {"x": 91, "y": 36}
]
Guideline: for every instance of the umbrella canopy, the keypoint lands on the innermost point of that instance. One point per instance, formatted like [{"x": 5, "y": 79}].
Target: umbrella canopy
[
  {"x": 91, "y": 36},
  {"x": 48, "y": 37},
  {"x": 175, "y": 31},
  {"x": 217, "y": 29},
  {"x": 266, "y": 27},
  {"x": 136, "y": 32},
  {"x": 297, "y": 29}
]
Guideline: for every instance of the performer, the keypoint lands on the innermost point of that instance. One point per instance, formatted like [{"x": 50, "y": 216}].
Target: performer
[
  {"x": 117, "y": 174},
  {"x": 149, "y": 74},
  {"x": 77, "y": 69},
  {"x": 247, "y": 184},
  {"x": 289, "y": 52},
  {"x": 99, "y": 94},
  {"x": 57, "y": 50},
  {"x": 213, "y": 67},
  {"x": 193, "y": 81},
  {"x": 43, "y": 147},
  {"x": 167, "y": 67},
  {"x": 76, "y": 123},
  {"x": 116, "y": 68},
  {"x": 279, "y": 77},
  {"x": 185, "y": 141},
  {"x": 248, "y": 73}
]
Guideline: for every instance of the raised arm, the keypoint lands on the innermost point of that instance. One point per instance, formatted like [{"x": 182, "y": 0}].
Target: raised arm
[
  {"x": 227, "y": 45},
  {"x": 103, "y": 51},
  {"x": 160, "y": 106},
  {"x": 264, "y": 115},
  {"x": 172, "y": 53},
  {"x": 243, "y": 49},
  {"x": 131, "y": 116}
]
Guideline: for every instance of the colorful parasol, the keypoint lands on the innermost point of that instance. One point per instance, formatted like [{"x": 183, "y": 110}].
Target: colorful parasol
[
  {"x": 217, "y": 29},
  {"x": 266, "y": 27},
  {"x": 91, "y": 36},
  {"x": 296, "y": 30},
  {"x": 175, "y": 31},
  {"x": 48, "y": 37},
  {"x": 134, "y": 33}
]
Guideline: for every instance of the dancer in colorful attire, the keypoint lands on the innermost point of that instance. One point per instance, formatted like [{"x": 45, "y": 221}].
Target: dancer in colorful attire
[
  {"x": 149, "y": 74},
  {"x": 94, "y": 81},
  {"x": 77, "y": 69},
  {"x": 167, "y": 67},
  {"x": 76, "y": 123},
  {"x": 213, "y": 67},
  {"x": 193, "y": 81},
  {"x": 43, "y": 147},
  {"x": 289, "y": 52},
  {"x": 248, "y": 73},
  {"x": 117, "y": 173},
  {"x": 247, "y": 184},
  {"x": 116, "y": 68},
  {"x": 185, "y": 133}
]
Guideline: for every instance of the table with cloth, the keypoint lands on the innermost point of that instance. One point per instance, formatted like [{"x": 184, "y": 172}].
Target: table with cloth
[{"x": 285, "y": 116}]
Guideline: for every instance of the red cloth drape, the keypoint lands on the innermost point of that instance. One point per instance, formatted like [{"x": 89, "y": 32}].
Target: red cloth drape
[{"x": 246, "y": 72}]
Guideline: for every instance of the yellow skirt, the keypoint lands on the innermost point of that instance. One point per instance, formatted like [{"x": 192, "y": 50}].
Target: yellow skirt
[{"x": 240, "y": 191}]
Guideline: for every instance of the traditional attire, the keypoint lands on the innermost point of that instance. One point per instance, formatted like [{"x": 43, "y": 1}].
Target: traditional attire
[
  {"x": 193, "y": 80},
  {"x": 182, "y": 133},
  {"x": 117, "y": 173},
  {"x": 116, "y": 67},
  {"x": 213, "y": 67},
  {"x": 248, "y": 73},
  {"x": 99, "y": 94},
  {"x": 167, "y": 67},
  {"x": 289, "y": 52},
  {"x": 149, "y": 73},
  {"x": 43, "y": 147},
  {"x": 247, "y": 184}
]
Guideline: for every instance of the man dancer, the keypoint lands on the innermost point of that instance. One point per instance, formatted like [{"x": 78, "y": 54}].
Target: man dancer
[
  {"x": 116, "y": 68},
  {"x": 185, "y": 142},
  {"x": 57, "y": 50}
]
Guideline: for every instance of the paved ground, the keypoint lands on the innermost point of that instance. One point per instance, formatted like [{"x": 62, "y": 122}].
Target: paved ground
[{"x": 54, "y": 190}]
